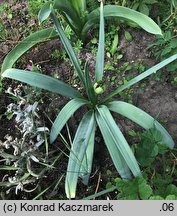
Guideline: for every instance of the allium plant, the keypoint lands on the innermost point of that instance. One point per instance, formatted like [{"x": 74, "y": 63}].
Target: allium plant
[{"x": 80, "y": 19}]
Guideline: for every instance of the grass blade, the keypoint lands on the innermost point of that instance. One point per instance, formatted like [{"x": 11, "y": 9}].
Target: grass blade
[
  {"x": 63, "y": 116},
  {"x": 8, "y": 168},
  {"x": 113, "y": 188},
  {"x": 100, "y": 55},
  {"x": 114, "y": 138},
  {"x": 142, "y": 76},
  {"x": 77, "y": 153},
  {"x": 26, "y": 44},
  {"x": 68, "y": 47},
  {"x": 39, "y": 196},
  {"x": 141, "y": 118},
  {"x": 42, "y": 81}
]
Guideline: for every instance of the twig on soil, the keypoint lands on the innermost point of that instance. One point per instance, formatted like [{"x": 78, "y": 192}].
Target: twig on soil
[{"x": 98, "y": 183}]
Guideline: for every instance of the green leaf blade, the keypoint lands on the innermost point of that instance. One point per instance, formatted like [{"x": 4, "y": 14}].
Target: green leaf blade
[
  {"x": 89, "y": 86},
  {"x": 115, "y": 43},
  {"x": 27, "y": 44},
  {"x": 68, "y": 47},
  {"x": 67, "y": 111},
  {"x": 100, "y": 55},
  {"x": 80, "y": 6},
  {"x": 86, "y": 166},
  {"x": 123, "y": 13},
  {"x": 116, "y": 156},
  {"x": 114, "y": 137},
  {"x": 141, "y": 118},
  {"x": 42, "y": 81},
  {"x": 44, "y": 13},
  {"x": 70, "y": 13},
  {"x": 77, "y": 153}
]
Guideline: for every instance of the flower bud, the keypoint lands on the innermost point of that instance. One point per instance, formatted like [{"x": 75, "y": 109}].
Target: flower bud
[{"x": 99, "y": 87}]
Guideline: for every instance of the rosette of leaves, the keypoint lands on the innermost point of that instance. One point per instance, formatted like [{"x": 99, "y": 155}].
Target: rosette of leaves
[
  {"x": 81, "y": 19},
  {"x": 99, "y": 111}
]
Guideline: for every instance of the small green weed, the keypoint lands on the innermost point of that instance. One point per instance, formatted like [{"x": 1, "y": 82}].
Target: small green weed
[
  {"x": 143, "y": 6},
  {"x": 164, "y": 47},
  {"x": 35, "y": 6},
  {"x": 158, "y": 166},
  {"x": 167, "y": 45},
  {"x": 150, "y": 146}
]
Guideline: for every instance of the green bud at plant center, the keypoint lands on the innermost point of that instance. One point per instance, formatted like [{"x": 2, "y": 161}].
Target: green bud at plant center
[{"x": 99, "y": 87}]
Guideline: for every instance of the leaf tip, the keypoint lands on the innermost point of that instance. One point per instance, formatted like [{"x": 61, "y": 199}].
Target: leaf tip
[{"x": 45, "y": 12}]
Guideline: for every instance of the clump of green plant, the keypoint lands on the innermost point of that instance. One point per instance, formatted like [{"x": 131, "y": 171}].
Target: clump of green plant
[
  {"x": 3, "y": 34},
  {"x": 166, "y": 46},
  {"x": 99, "y": 106},
  {"x": 136, "y": 189},
  {"x": 143, "y": 6},
  {"x": 158, "y": 167},
  {"x": 150, "y": 146},
  {"x": 80, "y": 21},
  {"x": 140, "y": 189},
  {"x": 35, "y": 6},
  {"x": 4, "y": 8},
  {"x": 167, "y": 15}
]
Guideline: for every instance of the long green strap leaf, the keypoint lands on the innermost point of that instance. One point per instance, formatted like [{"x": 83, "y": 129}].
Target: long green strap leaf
[
  {"x": 67, "y": 111},
  {"x": 122, "y": 13},
  {"x": 70, "y": 13},
  {"x": 42, "y": 81},
  {"x": 80, "y": 6},
  {"x": 78, "y": 150},
  {"x": 89, "y": 86},
  {"x": 100, "y": 55},
  {"x": 140, "y": 77},
  {"x": 68, "y": 47},
  {"x": 114, "y": 138},
  {"x": 86, "y": 166},
  {"x": 26, "y": 44},
  {"x": 116, "y": 156},
  {"x": 141, "y": 118}
]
